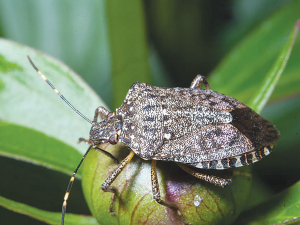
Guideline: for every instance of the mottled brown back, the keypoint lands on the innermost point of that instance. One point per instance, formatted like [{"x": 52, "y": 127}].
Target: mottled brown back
[{"x": 190, "y": 125}]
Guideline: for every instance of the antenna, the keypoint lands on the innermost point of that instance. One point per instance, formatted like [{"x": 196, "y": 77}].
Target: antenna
[
  {"x": 56, "y": 91},
  {"x": 64, "y": 206}
]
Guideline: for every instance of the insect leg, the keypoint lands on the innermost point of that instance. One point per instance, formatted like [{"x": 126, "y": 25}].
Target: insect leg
[
  {"x": 101, "y": 150},
  {"x": 155, "y": 188},
  {"x": 64, "y": 206},
  {"x": 106, "y": 185},
  {"x": 198, "y": 81},
  {"x": 108, "y": 154},
  {"x": 84, "y": 140},
  {"x": 209, "y": 178},
  {"x": 156, "y": 192},
  {"x": 103, "y": 113}
]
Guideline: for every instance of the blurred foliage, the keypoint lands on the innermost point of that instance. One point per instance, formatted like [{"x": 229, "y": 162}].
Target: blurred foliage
[{"x": 102, "y": 41}]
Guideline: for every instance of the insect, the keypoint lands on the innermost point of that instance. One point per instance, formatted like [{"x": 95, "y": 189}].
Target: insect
[{"x": 192, "y": 127}]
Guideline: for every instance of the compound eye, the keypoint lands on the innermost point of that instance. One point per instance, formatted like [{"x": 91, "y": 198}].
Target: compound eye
[{"x": 113, "y": 139}]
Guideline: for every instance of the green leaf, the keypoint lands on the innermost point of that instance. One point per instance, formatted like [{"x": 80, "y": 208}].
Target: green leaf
[
  {"x": 34, "y": 147},
  {"x": 246, "y": 18},
  {"x": 77, "y": 35},
  {"x": 263, "y": 94},
  {"x": 281, "y": 208},
  {"x": 244, "y": 68},
  {"x": 39, "y": 127},
  {"x": 129, "y": 50},
  {"x": 28, "y": 101},
  {"x": 45, "y": 216}
]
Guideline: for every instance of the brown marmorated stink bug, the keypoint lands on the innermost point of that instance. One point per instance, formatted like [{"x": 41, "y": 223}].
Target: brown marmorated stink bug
[{"x": 192, "y": 127}]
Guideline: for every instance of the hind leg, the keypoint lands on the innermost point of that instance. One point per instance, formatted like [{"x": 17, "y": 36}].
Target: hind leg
[
  {"x": 198, "y": 81},
  {"x": 209, "y": 178},
  {"x": 156, "y": 192}
]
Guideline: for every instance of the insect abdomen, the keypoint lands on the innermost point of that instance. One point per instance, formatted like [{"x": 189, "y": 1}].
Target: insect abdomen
[{"x": 236, "y": 161}]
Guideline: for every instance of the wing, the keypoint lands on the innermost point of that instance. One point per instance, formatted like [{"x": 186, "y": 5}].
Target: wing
[
  {"x": 211, "y": 142},
  {"x": 246, "y": 139}
]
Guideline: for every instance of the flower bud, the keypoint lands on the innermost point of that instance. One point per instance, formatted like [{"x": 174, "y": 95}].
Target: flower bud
[{"x": 200, "y": 202}]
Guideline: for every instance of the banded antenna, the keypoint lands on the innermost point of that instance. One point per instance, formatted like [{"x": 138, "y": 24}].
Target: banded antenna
[
  {"x": 56, "y": 91},
  {"x": 64, "y": 206}
]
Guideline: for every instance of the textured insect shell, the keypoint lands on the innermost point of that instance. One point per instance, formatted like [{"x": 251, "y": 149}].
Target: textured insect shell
[
  {"x": 103, "y": 130},
  {"x": 190, "y": 125}
]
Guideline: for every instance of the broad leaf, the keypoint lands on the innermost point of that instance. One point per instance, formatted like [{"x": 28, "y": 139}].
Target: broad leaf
[
  {"x": 243, "y": 70},
  {"x": 264, "y": 92},
  {"x": 129, "y": 50},
  {"x": 34, "y": 147},
  {"x": 281, "y": 209},
  {"x": 39, "y": 127},
  {"x": 77, "y": 35},
  {"x": 42, "y": 215},
  {"x": 28, "y": 101}
]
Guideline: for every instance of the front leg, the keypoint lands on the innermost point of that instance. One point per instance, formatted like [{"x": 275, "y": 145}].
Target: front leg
[
  {"x": 99, "y": 149},
  {"x": 198, "y": 81},
  {"x": 106, "y": 185}
]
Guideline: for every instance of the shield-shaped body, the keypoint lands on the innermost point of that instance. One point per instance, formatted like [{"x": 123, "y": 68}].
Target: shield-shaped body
[{"x": 198, "y": 127}]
